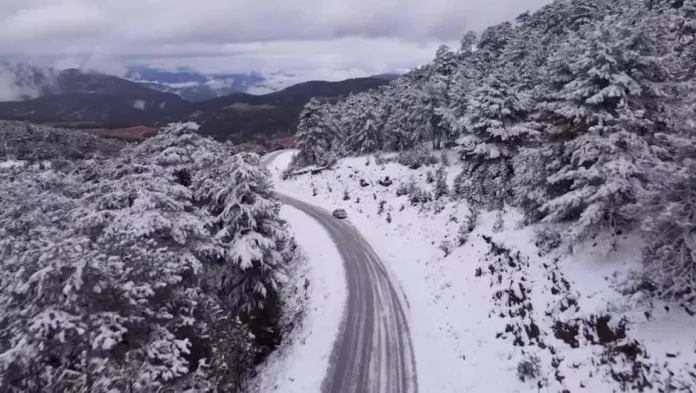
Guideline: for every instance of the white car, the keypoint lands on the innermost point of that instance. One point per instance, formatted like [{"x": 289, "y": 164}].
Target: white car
[{"x": 340, "y": 213}]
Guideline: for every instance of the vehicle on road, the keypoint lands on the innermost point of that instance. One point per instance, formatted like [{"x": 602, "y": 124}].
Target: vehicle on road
[{"x": 340, "y": 213}]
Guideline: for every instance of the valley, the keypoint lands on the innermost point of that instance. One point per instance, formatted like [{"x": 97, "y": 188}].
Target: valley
[{"x": 87, "y": 100}]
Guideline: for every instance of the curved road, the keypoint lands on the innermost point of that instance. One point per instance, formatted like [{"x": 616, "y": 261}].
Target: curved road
[{"x": 373, "y": 352}]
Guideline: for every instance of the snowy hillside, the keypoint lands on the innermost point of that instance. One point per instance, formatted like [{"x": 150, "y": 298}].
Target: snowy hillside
[
  {"x": 560, "y": 248},
  {"x": 492, "y": 308}
]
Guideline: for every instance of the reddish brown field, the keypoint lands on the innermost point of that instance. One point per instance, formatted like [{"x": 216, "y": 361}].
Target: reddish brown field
[
  {"x": 130, "y": 134},
  {"x": 284, "y": 143}
]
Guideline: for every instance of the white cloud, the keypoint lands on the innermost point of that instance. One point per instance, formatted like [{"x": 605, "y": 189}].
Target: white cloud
[
  {"x": 324, "y": 59},
  {"x": 245, "y": 35},
  {"x": 91, "y": 62},
  {"x": 8, "y": 89}
]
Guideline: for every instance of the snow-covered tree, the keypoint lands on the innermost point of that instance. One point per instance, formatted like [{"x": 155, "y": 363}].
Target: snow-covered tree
[
  {"x": 669, "y": 221},
  {"x": 525, "y": 55},
  {"x": 251, "y": 245},
  {"x": 367, "y": 132},
  {"x": 496, "y": 130},
  {"x": 35, "y": 143},
  {"x": 686, "y": 40},
  {"x": 410, "y": 122},
  {"x": 467, "y": 44},
  {"x": 315, "y": 136},
  {"x": 551, "y": 19},
  {"x": 438, "y": 87},
  {"x": 586, "y": 12},
  {"x": 247, "y": 229},
  {"x": 102, "y": 285},
  {"x": 441, "y": 187},
  {"x": 492, "y": 44},
  {"x": 179, "y": 146},
  {"x": 445, "y": 62},
  {"x": 603, "y": 86},
  {"x": 461, "y": 85},
  {"x": 111, "y": 273}
]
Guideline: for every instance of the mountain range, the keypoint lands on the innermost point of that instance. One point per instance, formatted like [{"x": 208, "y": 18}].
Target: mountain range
[
  {"x": 145, "y": 96},
  {"x": 196, "y": 86}
]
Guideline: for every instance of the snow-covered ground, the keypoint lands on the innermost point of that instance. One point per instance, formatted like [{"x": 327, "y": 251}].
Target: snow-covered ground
[
  {"x": 16, "y": 164},
  {"x": 11, "y": 164},
  {"x": 318, "y": 298},
  {"x": 494, "y": 310}
]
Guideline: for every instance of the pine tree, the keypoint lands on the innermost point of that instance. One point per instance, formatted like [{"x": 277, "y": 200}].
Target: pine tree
[
  {"x": 37, "y": 143},
  {"x": 603, "y": 89},
  {"x": 178, "y": 146},
  {"x": 460, "y": 185},
  {"x": 551, "y": 19},
  {"x": 314, "y": 135},
  {"x": 462, "y": 82},
  {"x": 441, "y": 187},
  {"x": 525, "y": 55},
  {"x": 248, "y": 229},
  {"x": 533, "y": 165},
  {"x": 586, "y": 12},
  {"x": 110, "y": 277},
  {"x": 669, "y": 220},
  {"x": 445, "y": 62},
  {"x": 686, "y": 40},
  {"x": 397, "y": 136},
  {"x": 468, "y": 44},
  {"x": 366, "y": 135},
  {"x": 492, "y": 44},
  {"x": 410, "y": 123},
  {"x": 438, "y": 87},
  {"x": 111, "y": 271},
  {"x": 497, "y": 129}
]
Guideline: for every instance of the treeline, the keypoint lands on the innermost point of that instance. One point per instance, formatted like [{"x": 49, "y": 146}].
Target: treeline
[
  {"x": 582, "y": 114},
  {"x": 35, "y": 143},
  {"x": 154, "y": 269}
]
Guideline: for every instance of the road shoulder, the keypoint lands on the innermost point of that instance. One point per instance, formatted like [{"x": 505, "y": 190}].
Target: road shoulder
[{"x": 300, "y": 364}]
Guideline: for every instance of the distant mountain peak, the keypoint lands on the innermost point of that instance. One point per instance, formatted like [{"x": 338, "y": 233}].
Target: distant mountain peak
[
  {"x": 196, "y": 86},
  {"x": 193, "y": 85}
]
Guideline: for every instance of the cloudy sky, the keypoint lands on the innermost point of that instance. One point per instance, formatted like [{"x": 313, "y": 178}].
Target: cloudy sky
[{"x": 326, "y": 39}]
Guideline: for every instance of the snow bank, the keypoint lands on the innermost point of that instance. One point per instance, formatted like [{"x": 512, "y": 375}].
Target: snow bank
[
  {"x": 17, "y": 164},
  {"x": 300, "y": 364},
  {"x": 494, "y": 314},
  {"x": 11, "y": 164}
]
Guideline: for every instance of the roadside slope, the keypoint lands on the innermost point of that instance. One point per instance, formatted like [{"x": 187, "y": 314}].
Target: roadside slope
[{"x": 494, "y": 310}]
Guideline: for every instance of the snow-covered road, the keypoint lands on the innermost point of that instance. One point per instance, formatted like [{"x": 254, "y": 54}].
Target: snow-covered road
[{"x": 373, "y": 351}]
